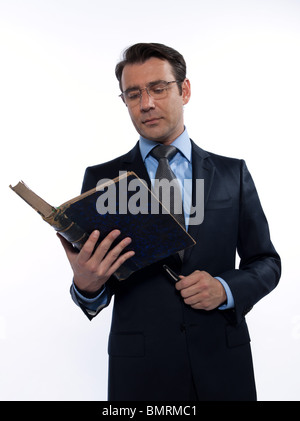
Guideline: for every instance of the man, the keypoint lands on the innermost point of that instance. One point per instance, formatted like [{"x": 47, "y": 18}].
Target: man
[{"x": 186, "y": 340}]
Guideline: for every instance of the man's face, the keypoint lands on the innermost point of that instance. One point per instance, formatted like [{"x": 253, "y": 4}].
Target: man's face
[{"x": 160, "y": 120}]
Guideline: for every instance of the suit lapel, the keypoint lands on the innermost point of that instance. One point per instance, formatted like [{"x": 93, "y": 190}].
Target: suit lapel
[
  {"x": 133, "y": 161},
  {"x": 202, "y": 170}
]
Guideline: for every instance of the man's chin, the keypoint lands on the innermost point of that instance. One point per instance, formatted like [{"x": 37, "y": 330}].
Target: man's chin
[{"x": 152, "y": 133}]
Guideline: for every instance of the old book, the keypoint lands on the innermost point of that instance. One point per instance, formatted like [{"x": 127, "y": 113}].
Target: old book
[{"x": 124, "y": 203}]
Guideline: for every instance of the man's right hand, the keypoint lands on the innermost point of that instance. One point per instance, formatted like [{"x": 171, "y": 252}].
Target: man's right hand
[{"x": 92, "y": 270}]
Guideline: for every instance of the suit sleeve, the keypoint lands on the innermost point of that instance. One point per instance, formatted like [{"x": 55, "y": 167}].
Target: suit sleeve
[{"x": 260, "y": 267}]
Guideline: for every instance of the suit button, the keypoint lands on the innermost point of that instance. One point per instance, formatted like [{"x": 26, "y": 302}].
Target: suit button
[{"x": 182, "y": 327}]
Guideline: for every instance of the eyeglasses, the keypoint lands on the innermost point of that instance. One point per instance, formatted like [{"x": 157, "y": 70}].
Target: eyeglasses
[{"x": 156, "y": 90}]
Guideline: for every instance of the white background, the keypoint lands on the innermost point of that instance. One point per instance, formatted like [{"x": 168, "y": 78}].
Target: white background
[{"x": 60, "y": 112}]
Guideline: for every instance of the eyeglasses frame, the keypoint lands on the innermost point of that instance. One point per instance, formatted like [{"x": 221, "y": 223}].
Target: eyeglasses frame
[{"x": 122, "y": 95}]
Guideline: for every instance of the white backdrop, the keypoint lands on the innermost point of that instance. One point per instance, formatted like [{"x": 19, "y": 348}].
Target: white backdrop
[{"x": 60, "y": 112}]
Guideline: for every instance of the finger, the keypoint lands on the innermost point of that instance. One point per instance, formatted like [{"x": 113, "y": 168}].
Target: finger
[
  {"x": 194, "y": 300},
  {"x": 186, "y": 281},
  {"x": 115, "y": 253},
  {"x": 88, "y": 247},
  {"x": 105, "y": 245},
  {"x": 119, "y": 262},
  {"x": 191, "y": 291}
]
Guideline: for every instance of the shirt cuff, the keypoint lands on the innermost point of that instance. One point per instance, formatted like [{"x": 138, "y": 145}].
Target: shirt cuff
[
  {"x": 95, "y": 302},
  {"x": 230, "y": 301}
]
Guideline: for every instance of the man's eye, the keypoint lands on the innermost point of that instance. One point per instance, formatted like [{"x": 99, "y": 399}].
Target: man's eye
[
  {"x": 133, "y": 95},
  {"x": 157, "y": 89}
]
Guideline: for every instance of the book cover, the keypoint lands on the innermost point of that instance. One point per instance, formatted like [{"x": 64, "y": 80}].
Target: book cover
[{"x": 124, "y": 203}]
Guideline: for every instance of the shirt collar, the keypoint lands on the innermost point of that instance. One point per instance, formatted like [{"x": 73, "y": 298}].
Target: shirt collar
[{"x": 182, "y": 143}]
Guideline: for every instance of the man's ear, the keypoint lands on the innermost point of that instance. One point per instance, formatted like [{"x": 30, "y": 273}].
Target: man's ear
[{"x": 186, "y": 91}]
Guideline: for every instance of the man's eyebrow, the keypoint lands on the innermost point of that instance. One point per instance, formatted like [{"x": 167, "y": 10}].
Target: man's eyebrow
[
  {"x": 155, "y": 82},
  {"x": 132, "y": 88},
  {"x": 135, "y": 87}
]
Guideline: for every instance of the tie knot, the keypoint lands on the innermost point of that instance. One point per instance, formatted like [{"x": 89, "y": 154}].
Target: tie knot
[{"x": 164, "y": 151}]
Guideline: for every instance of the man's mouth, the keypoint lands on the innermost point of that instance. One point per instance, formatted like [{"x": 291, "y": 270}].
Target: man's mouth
[{"x": 151, "y": 121}]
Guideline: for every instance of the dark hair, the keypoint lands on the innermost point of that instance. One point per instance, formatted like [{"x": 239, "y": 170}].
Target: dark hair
[{"x": 139, "y": 53}]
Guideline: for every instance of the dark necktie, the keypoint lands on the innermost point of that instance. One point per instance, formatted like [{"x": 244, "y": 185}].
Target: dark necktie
[{"x": 163, "y": 154}]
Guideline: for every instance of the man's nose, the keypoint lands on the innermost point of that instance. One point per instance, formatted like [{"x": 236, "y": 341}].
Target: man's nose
[{"x": 146, "y": 101}]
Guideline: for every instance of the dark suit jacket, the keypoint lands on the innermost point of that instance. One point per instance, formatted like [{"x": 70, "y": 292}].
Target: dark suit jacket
[{"x": 157, "y": 343}]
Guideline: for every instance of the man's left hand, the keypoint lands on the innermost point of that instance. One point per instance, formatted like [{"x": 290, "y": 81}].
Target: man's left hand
[{"x": 201, "y": 291}]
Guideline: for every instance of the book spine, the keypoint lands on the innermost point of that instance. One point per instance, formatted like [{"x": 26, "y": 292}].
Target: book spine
[
  {"x": 73, "y": 233},
  {"x": 68, "y": 229}
]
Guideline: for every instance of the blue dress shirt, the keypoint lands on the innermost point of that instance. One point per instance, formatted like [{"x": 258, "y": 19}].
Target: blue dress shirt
[{"x": 181, "y": 165}]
